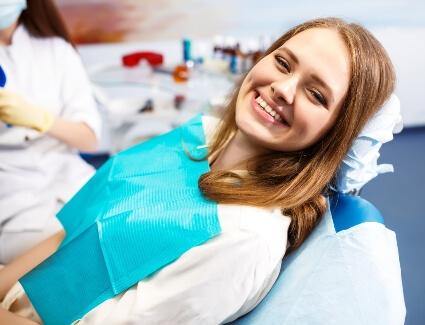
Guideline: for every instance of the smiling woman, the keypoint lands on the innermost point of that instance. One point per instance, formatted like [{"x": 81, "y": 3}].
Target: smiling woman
[
  {"x": 303, "y": 84},
  {"x": 207, "y": 247},
  {"x": 296, "y": 178}
]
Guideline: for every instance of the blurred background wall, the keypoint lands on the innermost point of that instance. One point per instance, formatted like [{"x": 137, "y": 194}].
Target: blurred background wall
[{"x": 398, "y": 24}]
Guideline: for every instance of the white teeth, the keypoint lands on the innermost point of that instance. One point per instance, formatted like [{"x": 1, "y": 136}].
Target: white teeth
[{"x": 268, "y": 109}]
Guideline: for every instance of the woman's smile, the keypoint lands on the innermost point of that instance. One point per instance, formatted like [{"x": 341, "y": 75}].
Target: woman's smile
[{"x": 272, "y": 114}]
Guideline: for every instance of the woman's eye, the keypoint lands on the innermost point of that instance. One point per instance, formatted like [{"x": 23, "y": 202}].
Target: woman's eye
[
  {"x": 283, "y": 63},
  {"x": 318, "y": 97}
]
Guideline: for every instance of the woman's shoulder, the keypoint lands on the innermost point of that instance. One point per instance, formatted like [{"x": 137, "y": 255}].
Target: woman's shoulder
[
  {"x": 209, "y": 122},
  {"x": 267, "y": 225}
]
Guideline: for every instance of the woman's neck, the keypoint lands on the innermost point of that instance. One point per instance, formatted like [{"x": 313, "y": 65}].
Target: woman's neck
[
  {"x": 6, "y": 34},
  {"x": 236, "y": 152}
]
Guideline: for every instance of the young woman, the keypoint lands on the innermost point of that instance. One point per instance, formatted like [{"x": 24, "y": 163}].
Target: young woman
[
  {"x": 170, "y": 256},
  {"x": 47, "y": 114}
]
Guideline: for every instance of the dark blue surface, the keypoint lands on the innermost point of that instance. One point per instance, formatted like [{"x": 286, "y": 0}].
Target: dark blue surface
[
  {"x": 2, "y": 77},
  {"x": 400, "y": 196}
]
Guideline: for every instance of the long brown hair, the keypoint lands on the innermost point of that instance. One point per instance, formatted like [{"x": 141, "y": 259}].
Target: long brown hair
[
  {"x": 43, "y": 19},
  {"x": 297, "y": 182}
]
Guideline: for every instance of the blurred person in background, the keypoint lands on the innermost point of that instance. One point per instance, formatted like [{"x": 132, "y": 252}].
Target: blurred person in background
[{"x": 47, "y": 116}]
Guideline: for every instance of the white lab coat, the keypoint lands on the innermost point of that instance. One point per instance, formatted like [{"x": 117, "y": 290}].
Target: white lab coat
[{"x": 37, "y": 172}]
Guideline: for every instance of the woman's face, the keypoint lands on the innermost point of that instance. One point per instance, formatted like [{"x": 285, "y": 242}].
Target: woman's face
[{"x": 292, "y": 97}]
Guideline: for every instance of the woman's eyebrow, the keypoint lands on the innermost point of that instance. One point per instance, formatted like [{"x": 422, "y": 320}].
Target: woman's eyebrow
[{"x": 290, "y": 53}]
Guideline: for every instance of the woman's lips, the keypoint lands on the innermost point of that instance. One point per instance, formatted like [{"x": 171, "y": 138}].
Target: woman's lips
[{"x": 270, "y": 109}]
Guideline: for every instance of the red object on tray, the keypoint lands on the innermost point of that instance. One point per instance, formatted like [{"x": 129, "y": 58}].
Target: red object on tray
[{"x": 133, "y": 59}]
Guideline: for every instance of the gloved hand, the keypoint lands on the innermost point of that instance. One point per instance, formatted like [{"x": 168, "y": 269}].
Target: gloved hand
[{"x": 15, "y": 110}]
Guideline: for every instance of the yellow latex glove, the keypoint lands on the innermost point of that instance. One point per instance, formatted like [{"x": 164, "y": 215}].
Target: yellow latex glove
[{"x": 15, "y": 110}]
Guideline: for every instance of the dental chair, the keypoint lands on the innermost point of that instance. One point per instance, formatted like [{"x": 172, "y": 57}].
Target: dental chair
[{"x": 348, "y": 269}]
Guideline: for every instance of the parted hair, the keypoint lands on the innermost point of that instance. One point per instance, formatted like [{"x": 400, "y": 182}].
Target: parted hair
[
  {"x": 43, "y": 19},
  {"x": 297, "y": 182}
]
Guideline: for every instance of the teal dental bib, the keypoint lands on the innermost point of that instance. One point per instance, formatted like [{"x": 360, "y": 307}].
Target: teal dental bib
[{"x": 138, "y": 213}]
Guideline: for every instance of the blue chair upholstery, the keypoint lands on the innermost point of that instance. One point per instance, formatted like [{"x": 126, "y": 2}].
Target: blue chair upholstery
[
  {"x": 348, "y": 211},
  {"x": 346, "y": 272}
]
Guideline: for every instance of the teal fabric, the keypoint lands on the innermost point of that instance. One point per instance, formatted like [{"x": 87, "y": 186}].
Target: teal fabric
[{"x": 139, "y": 212}]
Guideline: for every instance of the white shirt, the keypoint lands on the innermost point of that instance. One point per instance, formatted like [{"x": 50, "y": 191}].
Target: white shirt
[
  {"x": 213, "y": 283},
  {"x": 38, "y": 171}
]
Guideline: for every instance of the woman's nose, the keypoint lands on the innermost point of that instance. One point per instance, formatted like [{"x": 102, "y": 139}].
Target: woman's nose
[{"x": 284, "y": 90}]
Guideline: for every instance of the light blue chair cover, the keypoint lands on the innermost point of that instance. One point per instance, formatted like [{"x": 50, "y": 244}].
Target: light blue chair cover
[{"x": 346, "y": 272}]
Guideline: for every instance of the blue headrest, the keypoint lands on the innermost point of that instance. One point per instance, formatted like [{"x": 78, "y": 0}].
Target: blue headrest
[{"x": 348, "y": 211}]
